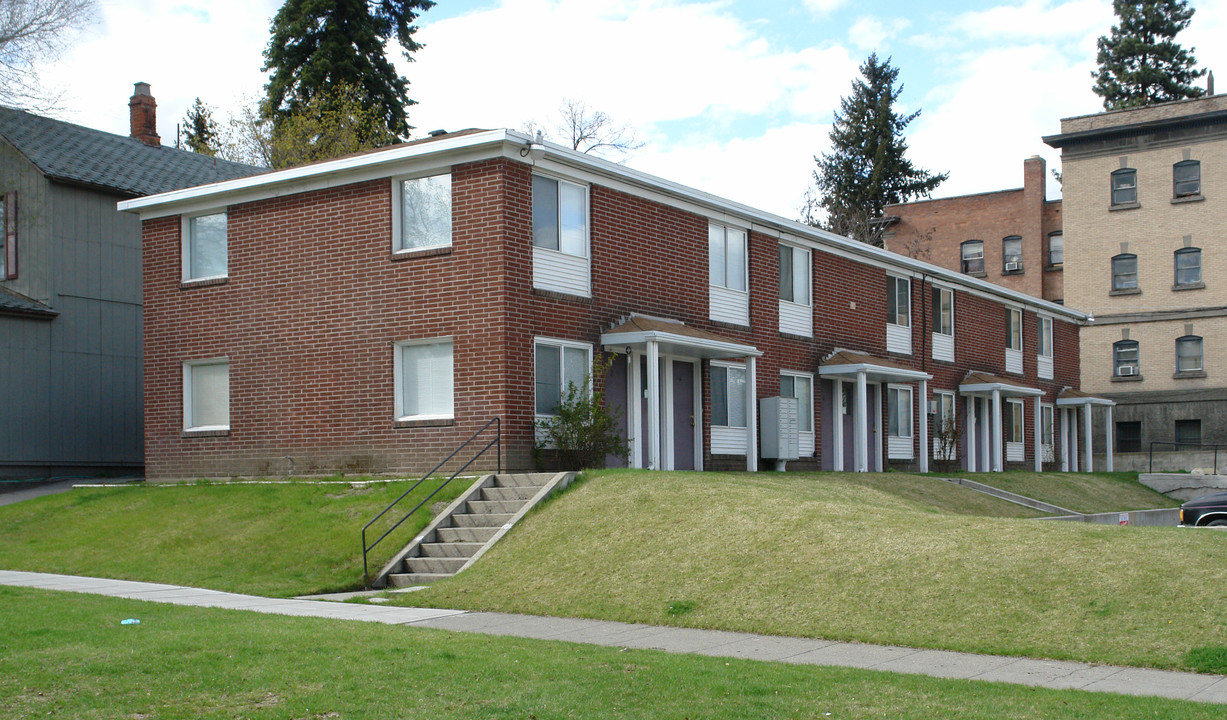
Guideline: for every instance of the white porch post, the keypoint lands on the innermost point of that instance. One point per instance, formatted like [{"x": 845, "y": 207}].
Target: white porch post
[
  {"x": 986, "y": 428},
  {"x": 1086, "y": 433},
  {"x": 653, "y": 405},
  {"x": 879, "y": 427},
  {"x": 751, "y": 415},
  {"x": 971, "y": 433},
  {"x": 925, "y": 449},
  {"x": 1107, "y": 439},
  {"x": 860, "y": 430},
  {"x": 998, "y": 445},
  {"x": 837, "y": 427},
  {"x": 1073, "y": 441},
  {"x": 1037, "y": 434},
  {"x": 634, "y": 402},
  {"x": 1063, "y": 424}
]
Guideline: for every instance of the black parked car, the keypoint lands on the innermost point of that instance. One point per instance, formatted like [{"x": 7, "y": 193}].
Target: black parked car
[{"x": 1208, "y": 510}]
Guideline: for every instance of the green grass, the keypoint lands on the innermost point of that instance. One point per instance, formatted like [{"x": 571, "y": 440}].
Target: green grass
[
  {"x": 276, "y": 540},
  {"x": 67, "y": 656},
  {"x": 1080, "y": 492},
  {"x": 880, "y": 559}
]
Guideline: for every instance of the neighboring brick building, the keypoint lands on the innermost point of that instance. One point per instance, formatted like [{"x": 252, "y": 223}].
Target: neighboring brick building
[
  {"x": 1144, "y": 191},
  {"x": 1008, "y": 237},
  {"x": 369, "y": 313}
]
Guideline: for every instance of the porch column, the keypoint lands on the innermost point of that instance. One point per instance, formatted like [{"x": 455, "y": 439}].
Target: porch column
[
  {"x": 1063, "y": 424},
  {"x": 1037, "y": 433},
  {"x": 751, "y": 415},
  {"x": 925, "y": 449},
  {"x": 860, "y": 429},
  {"x": 1107, "y": 439},
  {"x": 1086, "y": 433},
  {"x": 837, "y": 427},
  {"x": 634, "y": 402},
  {"x": 653, "y": 405},
  {"x": 986, "y": 427},
  {"x": 998, "y": 445},
  {"x": 1073, "y": 440},
  {"x": 970, "y": 432}
]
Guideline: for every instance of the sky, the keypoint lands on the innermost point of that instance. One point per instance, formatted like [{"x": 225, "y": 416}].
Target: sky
[{"x": 732, "y": 97}]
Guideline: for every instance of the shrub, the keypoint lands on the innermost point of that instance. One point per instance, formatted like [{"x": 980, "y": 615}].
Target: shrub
[{"x": 583, "y": 430}]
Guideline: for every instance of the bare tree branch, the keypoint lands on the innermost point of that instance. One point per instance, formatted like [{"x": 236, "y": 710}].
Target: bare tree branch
[
  {"x": 589, "y": 131},
  {"x": 33, "y": 32}
]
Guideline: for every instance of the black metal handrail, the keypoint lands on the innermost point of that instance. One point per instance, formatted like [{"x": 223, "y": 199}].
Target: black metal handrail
[
  {"x": 496, "y": 443},
  {"x": 1178, "y": 444}
]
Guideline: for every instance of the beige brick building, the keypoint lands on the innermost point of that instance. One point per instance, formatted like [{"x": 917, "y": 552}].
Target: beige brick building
[{"x": 1144, "y": 218}]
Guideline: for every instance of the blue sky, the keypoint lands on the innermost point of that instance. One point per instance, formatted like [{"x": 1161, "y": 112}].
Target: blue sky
[{"x": 733, "y": 97}]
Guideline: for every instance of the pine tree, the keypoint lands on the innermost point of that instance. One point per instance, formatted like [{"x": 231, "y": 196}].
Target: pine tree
[
  {"x": 866, "y": 169},
  {"x": 200, "y": 131},
  {"x": 318, "y": 45},
  {"x": 1140, "y": 62}
]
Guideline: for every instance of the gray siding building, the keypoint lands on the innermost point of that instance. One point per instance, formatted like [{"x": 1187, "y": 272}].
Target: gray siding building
[{"x": 70, "y": 287}]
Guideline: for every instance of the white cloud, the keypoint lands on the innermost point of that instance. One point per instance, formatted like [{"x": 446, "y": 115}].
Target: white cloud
[
  {"x": 823, "y": 7},
  {"x": 1037, "y": 20},
  {"x": 871, "y": 33}
]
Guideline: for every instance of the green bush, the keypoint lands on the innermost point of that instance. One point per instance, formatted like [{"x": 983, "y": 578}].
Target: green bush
[{"x": 583, "y": 430}]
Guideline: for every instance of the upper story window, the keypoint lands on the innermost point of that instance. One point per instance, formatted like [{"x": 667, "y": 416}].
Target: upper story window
[
  {"x": 424, "y": 219},
  {"x": 943, "y": 311},
  {"x": 1125, "y": 272},
  {"x": 1124, "y": 186},
  {"x": 205, "y": 253},
  {"x": 1045, "y": 338},
  {"x": 1188, "y": 267},
  {"x": 560, "y": 216},
  {"x": 1013, "y": 319},
  {"x": 1011, "y": 254},
  {"x": 1125, "y": 358},
  {"x": 898, "y": 301},
  {"x": 8, "y": 236},
  {"x": 973, "y": 256},
  {"x": 1189, "y": 354},
  {"x": 794, "y": 275},
  {"x": 1056, "y": 249},
  {"x": 562, "y": 367},
  {"x": 423, "y": 379},
  {"x": 727, "y": 257},
  {"x": 728, "y": 395},
  {"x": 1186, "y": 178},
  {"x": 206, "y": 395}
]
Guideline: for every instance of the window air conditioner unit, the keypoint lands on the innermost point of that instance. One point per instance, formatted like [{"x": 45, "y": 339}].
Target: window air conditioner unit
[
  {"x": 1013, "y": 266},
  {"x": 1127, "y": 370}
]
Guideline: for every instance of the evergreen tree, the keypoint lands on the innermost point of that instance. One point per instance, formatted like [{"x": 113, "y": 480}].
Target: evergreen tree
[
  {"x": 200, "y": 131},
  {"x": 333, "y": 123},
  {"x": 866, "y": 169},
  {"x": 318, "y": 45},
  {"x": 1140, "y": 62}
]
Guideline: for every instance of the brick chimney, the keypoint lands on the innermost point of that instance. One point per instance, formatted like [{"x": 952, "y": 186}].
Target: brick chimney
[{"x": 143, "y": 116}]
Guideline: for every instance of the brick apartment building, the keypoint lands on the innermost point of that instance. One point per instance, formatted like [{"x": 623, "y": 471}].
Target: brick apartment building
[
  {"x": 1009, "y": 237},
  {"x": 369, "y": 313},
  {"x": 1144, "y": 192}
]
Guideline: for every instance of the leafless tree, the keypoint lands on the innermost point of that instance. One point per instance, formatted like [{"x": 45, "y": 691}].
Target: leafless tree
[
  {"x": 919, "y": 244},
  {"x": 34, "y": 32},
  {"x": 588, "y": 130},
  {"x": 856, "y": 223}
]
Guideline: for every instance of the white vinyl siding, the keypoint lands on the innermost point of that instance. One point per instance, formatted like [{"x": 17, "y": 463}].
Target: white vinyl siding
[
  {"x": 206, "y": 395},
  {"x": 728, "y": 275},
  {"x": 796, "y": 310},
  {"x": 898, "y": 315},
  {"x": 205, "y": 246},
  {"x": 1043, "y": 360},
  {"x": 801, "y": 386},
  {"x": 1014, "y": 344},
  {"x": 943, "y": 324},
  {"x": 423, "y": 379},
  {"x": 422, "y": 213},
  {"x": 728, "y": 409},
  {"x": 1015, "y": 448},
  {"x": 560, "y": 237},
  {"x": 899, "y": 422}
]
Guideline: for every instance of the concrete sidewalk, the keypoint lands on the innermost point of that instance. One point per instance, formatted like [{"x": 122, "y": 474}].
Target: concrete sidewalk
[{"x": 937, "y": 663}]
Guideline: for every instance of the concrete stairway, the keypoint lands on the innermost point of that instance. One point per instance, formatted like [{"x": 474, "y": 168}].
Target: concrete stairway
[{"x": 463, "y": 532}]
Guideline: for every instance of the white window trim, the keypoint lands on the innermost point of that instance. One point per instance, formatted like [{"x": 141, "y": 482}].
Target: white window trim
[
  {"x": 558, "y": 210},
  {"x": 810, "y": 377},
  {"x": 746, "y": 267},
  {"x": 895, "y": 279},
  {"x": 937, "y": 419},
  {"x": 809, "y": 274},
  {"x": 733, "y": 366},
  {"x": 1010, "y": 404},
  {"x": 1046, "y": 321},
  {"x": 187, "y": 393},
  {"x": 398, "y": 387},
  {"x": 560, "y": 344},
  {"x": 1052, "y": 411},
  {"x": 944, "y": 289},
  {"x": 1021, "y": 330},
  {"x": 185, "y": 244},
  {"x": 911, "y": 397},
  {"x": 398, "y": 200}
]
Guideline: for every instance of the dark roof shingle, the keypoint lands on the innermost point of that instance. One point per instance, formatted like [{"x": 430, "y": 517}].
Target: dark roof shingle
[{"x": 14, "y": 303}]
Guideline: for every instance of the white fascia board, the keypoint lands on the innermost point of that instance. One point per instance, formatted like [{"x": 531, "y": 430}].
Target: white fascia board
[
  {"x": 714, "y": 347},
  {"x": 887, "y": 372},
  {"x": 1006, "y": 389},
  {"x": 1078, "y": 402}
]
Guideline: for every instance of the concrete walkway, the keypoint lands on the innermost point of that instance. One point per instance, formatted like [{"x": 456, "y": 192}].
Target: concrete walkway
[
  {"x": 15, "y": 492},
  {"x": 936, "y": 663}
]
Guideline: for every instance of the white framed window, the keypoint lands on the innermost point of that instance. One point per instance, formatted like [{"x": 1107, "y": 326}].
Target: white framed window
[
  {"x": 1013, "y": 421},
  {"x": 943, "y": 323},
  {"x": 205, "y": 246},
  {"x": 206, "y": 394},
  {"x": 1013, "y": 340},
  {"x": 559, "y": 365},
  {"x": 1189, "y": 354},
  {"x": 1011, "y": 254},
  {"x": 728, "y": 274},
  {"x": 800, "y": 386},
  {"x": 945, "y": 430},
  {"x": 1047, "y": 433},
  {"x": 728, "y": 395},
  {"x": 972, "y": 257},
  {"x": 422, "y": 213},
  {"x": 1044, "y": 346},
  {"x": 560, "y": 216},
  {"x": 1125, "y": 358},
  {"x": 423, "y": 379},
  {"x": 898, "y": 301},
  {"x": 796, "y": 309},
  {"x": 898, "y": 411}
]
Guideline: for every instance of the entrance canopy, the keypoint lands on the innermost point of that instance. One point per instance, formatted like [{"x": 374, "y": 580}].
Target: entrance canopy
[
  {"x": 979, "y": 383},
  {"x": 1068, "y": 401},
  {"x": 673, "y": 338},
  {"x": 846, "y": 365},
  {"x": 1073, "y": 398}
]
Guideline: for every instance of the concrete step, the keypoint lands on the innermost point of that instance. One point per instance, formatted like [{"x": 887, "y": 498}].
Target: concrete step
[
  {"x": 494, "y": 506},
  {"x": 481, "y": 519},
  {"x": 431, "y": 565},
  {"x": 466, "y": 535},
  {"x": 412, "y": 579},
  {"x": 522, "y": 479},
  {"x": 450, "y": 549},
  {"x": 520, "y": 492}
]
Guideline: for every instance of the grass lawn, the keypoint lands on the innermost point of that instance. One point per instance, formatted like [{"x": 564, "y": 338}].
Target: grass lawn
[
  {"x": 881, "y": 559},
  {"x": 1081, "y": 492},
  {"x": 276, "y": 540},
  {"x": 66, "y": 656}
]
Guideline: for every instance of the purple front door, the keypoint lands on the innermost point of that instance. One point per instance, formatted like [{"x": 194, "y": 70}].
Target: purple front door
[{"x": 683, "y": 415}]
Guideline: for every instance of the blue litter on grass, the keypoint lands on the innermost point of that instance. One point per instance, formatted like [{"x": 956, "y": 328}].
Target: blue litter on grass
[{"x": 130, "y": 621}]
